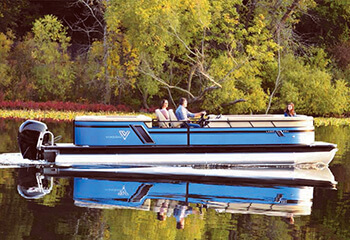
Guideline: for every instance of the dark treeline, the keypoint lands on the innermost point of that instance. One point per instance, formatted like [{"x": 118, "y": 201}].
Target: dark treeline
[{"x": 227, "y": 56}]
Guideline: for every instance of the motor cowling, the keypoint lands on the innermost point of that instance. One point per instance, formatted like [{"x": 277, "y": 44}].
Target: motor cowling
[
  {"x": 31, "y": 134},
  {"x": 32, "y": 184}
]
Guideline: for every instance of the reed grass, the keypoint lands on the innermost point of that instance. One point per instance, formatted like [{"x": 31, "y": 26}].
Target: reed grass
[
  {"x": 57, "y": 115},
  {"x": 320, "y": 121}
]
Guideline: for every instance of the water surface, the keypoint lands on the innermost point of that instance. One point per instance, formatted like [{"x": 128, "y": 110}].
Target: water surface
[{"x": 132, "y": 212}]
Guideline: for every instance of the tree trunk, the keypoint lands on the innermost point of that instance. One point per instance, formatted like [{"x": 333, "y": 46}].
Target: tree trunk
[
  {"x": 278, "y": 78},
  {"x": 189, "y": 83},
  {"x": 107, "y": 97},
  {"x": 144, "y": 100},
  {"x": 289, "y": 12}
]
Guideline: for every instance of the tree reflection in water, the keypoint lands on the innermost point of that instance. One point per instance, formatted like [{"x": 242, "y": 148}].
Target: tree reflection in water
[
  {"x": 188, "y": 198},
  {"x": 55, "y": 216}
]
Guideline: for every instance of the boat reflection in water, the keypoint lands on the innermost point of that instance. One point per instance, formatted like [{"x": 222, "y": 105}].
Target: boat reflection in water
[{"x": 181, "y": 191}]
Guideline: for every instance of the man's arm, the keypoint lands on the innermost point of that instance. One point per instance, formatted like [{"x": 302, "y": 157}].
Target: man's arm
[{"x": 199, "y": 114}]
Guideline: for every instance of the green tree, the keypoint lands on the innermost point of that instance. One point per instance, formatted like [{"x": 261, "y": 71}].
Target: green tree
[
  {"x": 312, "y": 89},
  {"x": 53, "y": 70},
  {"x": 192, "y": 48},
  {"x": 88, "y": 85},
  {"x": 240, "y": 68},
  {"x": 327, "y": 26},
  {"x": 6, "y": 41},
  {"x": 22, "y": 86}
]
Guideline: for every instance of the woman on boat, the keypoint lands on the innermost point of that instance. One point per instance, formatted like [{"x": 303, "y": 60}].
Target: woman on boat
[
  {"x": 290, "y": 112},
  {"x": 162, "y": 214},
  {"x": 163, "y": 108},
  {"x": 183, "y": 114}
]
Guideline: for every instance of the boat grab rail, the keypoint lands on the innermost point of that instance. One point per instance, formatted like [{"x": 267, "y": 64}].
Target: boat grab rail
[
  {"x": 230, "y": 123},
  {"x": 41, "y": 139}
]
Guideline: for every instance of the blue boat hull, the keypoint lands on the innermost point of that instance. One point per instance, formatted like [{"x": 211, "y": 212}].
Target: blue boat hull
[
  {"x": 268, "y": 200},
  {"x": 125, "y": 134}
]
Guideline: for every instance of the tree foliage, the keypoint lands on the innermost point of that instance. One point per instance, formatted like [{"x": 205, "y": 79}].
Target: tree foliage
[
  {"x": 53, "y": 71},
  {"x": 188, "y": 48},
  {"x": 6, "y": 41},
  {"x": 312, "y": 89},
  {"x": 224, "y": 56}
]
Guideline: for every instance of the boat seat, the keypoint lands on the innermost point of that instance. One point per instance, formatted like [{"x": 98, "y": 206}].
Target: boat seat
[
  {"x": 161, "y": 119},
  {"x": 175, "y": 123}
]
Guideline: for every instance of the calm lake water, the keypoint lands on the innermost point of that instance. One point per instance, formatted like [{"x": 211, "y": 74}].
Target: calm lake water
[{"x": 77, "y": 208}]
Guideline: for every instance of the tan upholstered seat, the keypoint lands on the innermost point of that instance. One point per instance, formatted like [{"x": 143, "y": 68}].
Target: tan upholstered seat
[
  {"x": 174, "y": 121},
  {"x": 161, "y": 119}
]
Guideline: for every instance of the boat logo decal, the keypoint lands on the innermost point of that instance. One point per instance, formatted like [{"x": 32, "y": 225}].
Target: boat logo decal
[
  {"x": 120, "y": 191},
  {"x": 124, "y": 134},
  {"x": 123, "y": 192}
]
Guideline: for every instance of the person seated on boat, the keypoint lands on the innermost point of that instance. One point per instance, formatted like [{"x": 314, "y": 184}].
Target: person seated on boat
[
  {"x": 162, "y": 213},
  {"x": 183, "y": 114},
  {"x": 290, "y": 112},
  {"x": 164, "y": 108},
  {"x": 180, "y": 213}
]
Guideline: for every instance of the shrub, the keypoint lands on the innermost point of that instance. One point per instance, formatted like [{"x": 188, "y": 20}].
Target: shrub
[{"x": 62, "y": 106}]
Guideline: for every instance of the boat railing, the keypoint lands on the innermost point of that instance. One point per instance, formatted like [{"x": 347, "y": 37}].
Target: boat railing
[
  {"x": 210, "y": 121},
  {"x": 239, "y": 121}
]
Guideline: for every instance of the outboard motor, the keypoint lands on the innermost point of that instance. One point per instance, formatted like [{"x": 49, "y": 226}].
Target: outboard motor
[
  {"x": 31, "y": 136},
  {"x": 32, "y": 184}
]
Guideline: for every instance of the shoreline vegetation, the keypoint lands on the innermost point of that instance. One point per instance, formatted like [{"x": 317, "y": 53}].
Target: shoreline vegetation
[
  {"x": 52, "y": 115},
  {"x": 224, "y": 56}
]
